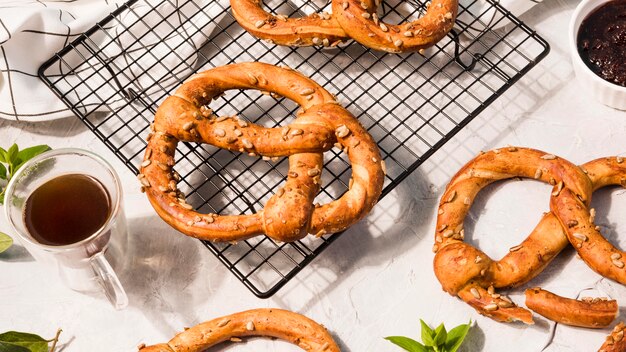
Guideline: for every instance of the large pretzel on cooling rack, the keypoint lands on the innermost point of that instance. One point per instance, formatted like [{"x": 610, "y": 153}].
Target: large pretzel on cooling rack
[
  {"x": 315, "y": 29},
  {"x": 599, "y": 254},
  {"x": 360, "y": 21},
  {"x": 466, "y": 271},
  {"x": 278, "y": 323},
  {"x": 289, "y": 214}
]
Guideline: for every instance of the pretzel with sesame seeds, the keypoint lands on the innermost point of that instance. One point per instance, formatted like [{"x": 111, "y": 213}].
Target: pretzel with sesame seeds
[
  {"x": 278, "y": 323},
  {"x": 578, "y": 220},
  {"x": 289, "y": 214},
  {"x": 467, "y": 272},
  {"x": 615, "y": 342},
  {"x": 361, "y": 22},
  {"x": 315, "y": 29}
]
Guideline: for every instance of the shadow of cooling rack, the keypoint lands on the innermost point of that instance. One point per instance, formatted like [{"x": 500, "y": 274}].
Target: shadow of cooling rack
[{"x": 115, "y": 75}]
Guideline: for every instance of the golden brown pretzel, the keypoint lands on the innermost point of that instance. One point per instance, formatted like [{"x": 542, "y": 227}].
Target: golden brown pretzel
[
  {"x": 289, "y": 214},
  {"x": 315, "y": 29},
  {"x": 593, "y": 248},
  {"x": 466, "y": 271},
  {"x": 278, "y": 323},
  {"x": 360, "y": 21},
  {"x": 615, "y": 342},
  {"x": 588, "y": 313}
]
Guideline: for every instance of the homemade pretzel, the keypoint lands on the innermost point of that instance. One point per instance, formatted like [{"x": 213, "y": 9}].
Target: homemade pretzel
[
  {"x": 315, "y": 29},
  {"x": 466, "y": 271},
  {"x": 599, "y": 254},
  {"x": 615, "y": 342},
  {"x": 360, "y": 21},
  {"x": 289, "y": 214},
  {"x": 278, "y": 323},
  {"x": 589, "y": 312}
]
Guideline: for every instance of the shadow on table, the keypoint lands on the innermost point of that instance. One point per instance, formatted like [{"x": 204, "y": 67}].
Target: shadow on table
[{"x": 16, "y": 253}]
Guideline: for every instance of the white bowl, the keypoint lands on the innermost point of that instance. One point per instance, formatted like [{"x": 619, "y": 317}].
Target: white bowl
[{"x": 606, "y": 92}]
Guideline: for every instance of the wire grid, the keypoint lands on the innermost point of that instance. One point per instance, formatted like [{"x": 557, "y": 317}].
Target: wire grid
[{"x": 116, "y": 74}]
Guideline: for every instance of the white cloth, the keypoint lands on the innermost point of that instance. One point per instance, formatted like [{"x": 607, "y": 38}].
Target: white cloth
[{"x": 32, "y": 31}]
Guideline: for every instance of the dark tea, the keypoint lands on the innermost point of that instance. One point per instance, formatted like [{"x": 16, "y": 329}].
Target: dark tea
[{"x": 66, "y": 209}]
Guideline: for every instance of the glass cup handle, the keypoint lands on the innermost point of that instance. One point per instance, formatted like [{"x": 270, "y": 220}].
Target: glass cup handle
[{"x": 109, "y": 281}]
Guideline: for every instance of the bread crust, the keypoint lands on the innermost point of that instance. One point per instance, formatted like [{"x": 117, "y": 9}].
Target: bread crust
[
  {"x": 290, "y": 213},
  {"x": 285, "y": 325}
]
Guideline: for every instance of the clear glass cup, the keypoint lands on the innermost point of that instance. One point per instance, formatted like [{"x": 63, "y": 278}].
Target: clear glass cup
[{"x": 82, "y": 265}]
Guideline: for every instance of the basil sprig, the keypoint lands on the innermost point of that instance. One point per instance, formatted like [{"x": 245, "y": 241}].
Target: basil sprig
[
  {"x": 15, "y": 341},
  {"x": 12, "y": 159},
  {"x": 433, "y": 340}
]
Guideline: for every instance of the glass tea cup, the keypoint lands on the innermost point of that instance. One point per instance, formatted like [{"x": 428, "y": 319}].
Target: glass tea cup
[{"x": 81, "y": 265}]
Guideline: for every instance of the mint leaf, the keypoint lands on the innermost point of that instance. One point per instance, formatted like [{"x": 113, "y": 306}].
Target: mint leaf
[
  {"x": 26, "y": 154},
  {"x": 9, "y": 347},
  {"x": 3, "y": 172},
  {"x": 405, "y": 343},
  {"x": 5, "y": 242},
  {"x": 3, "y": 155},
  {"x": 456, "y": 337},
  {"x": 11, "y": 154},
  {"x": 32, "y": 342},
  {"x": 428, "y": 334},
  {"x": 440, "y": 335}
]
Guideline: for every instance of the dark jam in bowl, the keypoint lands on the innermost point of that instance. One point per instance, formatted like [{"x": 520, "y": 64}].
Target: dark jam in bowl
[{"x": 602, "y": 41}]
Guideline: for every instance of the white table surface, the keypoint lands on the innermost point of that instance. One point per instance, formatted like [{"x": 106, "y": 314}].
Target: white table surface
[{"x": 377, "y": 279}]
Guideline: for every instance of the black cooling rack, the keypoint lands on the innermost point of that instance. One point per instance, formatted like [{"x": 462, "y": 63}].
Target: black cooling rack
[{"x": 115, "y": 75}]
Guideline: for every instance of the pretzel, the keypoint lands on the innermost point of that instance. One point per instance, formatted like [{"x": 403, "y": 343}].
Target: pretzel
[
  {"x": 615, "y": 342},
  {"x": 593, "y": 313},
  {"x": 599, "y": 254},
  {"x": 314, "y": 29},
  {"x": 278, "y": 323},
  {"x": 467, "y": 272},
  {"x": 360, "y": 21},
  {"x": 289, "y": 214}
]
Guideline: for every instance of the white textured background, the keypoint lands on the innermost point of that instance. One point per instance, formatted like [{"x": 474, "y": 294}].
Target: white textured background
[{"x": 377, "y": 279}]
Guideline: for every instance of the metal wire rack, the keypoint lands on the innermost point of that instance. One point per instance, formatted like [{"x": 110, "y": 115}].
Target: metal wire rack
[{"x": 115, "y": 75}]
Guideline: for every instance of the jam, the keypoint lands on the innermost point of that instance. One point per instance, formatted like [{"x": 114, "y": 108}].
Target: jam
[{"x": 602, "y": 41}]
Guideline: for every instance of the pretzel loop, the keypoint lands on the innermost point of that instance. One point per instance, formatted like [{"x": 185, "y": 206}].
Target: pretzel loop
[
  {"x": 468, "y": 272},
  {"x": 290, "y": 213}
]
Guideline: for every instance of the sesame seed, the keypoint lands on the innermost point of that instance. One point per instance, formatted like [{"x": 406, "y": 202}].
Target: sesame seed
[
  {"x": 238, "y": 133},
  {"x": 163, "y": 189},
  {"x": 350, "y": 183},
  {"x": 146, "y": 163},
  {"x": 572, "y": 223},
  {"x": 422, "y": 52},
  {"x": 448, "y": 15},
  {"x": 491, "y": 307},
  {"x": 259, "y": 23},
  {"x": 515, "y": 248},
  {"x": 313, "y": 172},
  {"x": 615, "y": 256},
  {"x": 364, "y": 5},
  {"x": 307, "y": 91},
  {"x": 548, "y": 157},
  {"x": 579, "y": 236},
  {"x": 366, "y": 15},
  {"x": 316, "y": 41},
  {"x": 442, "y": 227},
  {"x": 246, "y": 143},
  {"x": 491, "y": 290},
  {"x": 235, "y": 339},
  {"x": 242, "y": 123},
  {"x": 190, "y": 223},
  {"x": 448, "y": 233},
  {"x": 467, "y": 201},
  {"x": 371, "y": 35},
  {"x": 440, "y": 211},
  {"x": 475, "y": 293},
  {"x": 296, "y": 132},
  {"x": 209, "y": 219},
  {"x": 558, "y": 189},
  {"x": 618, "y": 263},
  {"x": 342, "y": 131},
  {"x": 282, "y": 17},
  {"x": 219, "y": 132},
  {"x": 383, "y": 27},
  {"x": 163, "y": 149},
  {"x": 345, "y": 5},
  {"x": 187, "y": 206},
  {"x": 223, "y": 323},
  {"x": 592, "y": 215},
  {"x": 144, "y": 181},
  {"x": 383, "y": 167},
  {"x": 538, "y": 174},
  {"x": 325, "y": 42},
  {"x": 505, "y": 304},
  {"x": 478, "y": 259},
  {"x": 619, "y": 159},
  {"x": 187, "y": 126},
  {"x": 252, "y": 79},
  {"x": 451, "y": 197},
  {"x": 250, "y": 326},
  {"x": 374, "y": 160},
  {"x": 408, "y": 34},
  {"x": 398, "y": 43}
]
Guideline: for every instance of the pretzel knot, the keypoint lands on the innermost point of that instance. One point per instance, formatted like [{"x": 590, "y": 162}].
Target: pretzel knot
[
  {"x": 278, "y": 323},
  {"x": 351, "y": 19},
  {"x": 289, "y": 214},
  {"x": 466, "y": 271}
]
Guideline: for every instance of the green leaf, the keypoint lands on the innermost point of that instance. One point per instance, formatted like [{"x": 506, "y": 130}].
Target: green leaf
[
  {"x": 428, "y": 334},
  {"x": 5, "y": 242},
  {"x": 3, "y": 171},
  {"x": 456, "y": 337},
  {"x": 440, "y": 335},
  {"x": 33, "y": 343},
  {"x": 2, "y": 197},
  {"x": 407, "y": 344},
  {"x": 3, "y": 155},
  {"x": 26, "y": 154},
  {"x": 9, "y": 347},
  {"x": 12, "y": 154}
]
